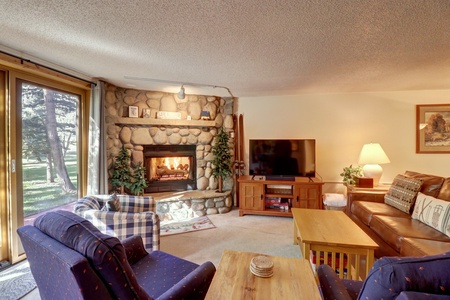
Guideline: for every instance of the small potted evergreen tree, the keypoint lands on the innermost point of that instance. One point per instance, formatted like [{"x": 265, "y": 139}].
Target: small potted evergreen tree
[
  {"x": 139, "y": 182},
  {"x": 221, "y": 168},
  {"x": 121, "y": 176}
]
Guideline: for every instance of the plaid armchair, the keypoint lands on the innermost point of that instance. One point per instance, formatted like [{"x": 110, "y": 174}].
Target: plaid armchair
[{"x": 137, "y": 216}]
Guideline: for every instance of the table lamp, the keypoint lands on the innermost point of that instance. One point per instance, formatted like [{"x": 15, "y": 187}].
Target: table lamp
[{"x": 371, "y": 156}]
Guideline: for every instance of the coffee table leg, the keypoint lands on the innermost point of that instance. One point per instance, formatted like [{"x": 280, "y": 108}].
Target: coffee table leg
[
  {"x": 295, "y": 233},
  {"x": 370, "y": 260}
]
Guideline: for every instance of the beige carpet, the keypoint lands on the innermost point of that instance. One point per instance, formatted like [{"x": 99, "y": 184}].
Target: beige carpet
[{"x": 260, "y": 234}]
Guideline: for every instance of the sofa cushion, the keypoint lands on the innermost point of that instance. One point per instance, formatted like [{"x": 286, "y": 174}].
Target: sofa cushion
[
  {"x": 421, "y": 247},
  {"x": 112, "y": 204},
  {"x": 392, "y": 275},
  {"x": 393, "y": 229},
  {"x": 105, "y": 253},
  {"x": 364, "y": 211},
  {"x": 433, "y": 212},
  {"x": 431, "y": 184},
  {"x": 403, "y": 192},
  {"x": 444, "y": 192}
]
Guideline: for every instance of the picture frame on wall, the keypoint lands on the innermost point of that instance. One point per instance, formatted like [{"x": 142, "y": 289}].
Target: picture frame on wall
[
  {"x": 433, "y": 128},
  {"x": 146, "y": 113},
  {"x": 133, "y": 111}
]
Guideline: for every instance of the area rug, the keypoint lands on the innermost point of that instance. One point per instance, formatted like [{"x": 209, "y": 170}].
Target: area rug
[
  {"x": 16, "y": 281},
  {"x": 177, "y": 227}
]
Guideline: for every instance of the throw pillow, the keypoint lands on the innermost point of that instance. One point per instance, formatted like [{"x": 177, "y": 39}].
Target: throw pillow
[
  {"x": 403, "y": 192},
  {"x": 112, "y": 204},
  {"x": 433, "y": 212}
]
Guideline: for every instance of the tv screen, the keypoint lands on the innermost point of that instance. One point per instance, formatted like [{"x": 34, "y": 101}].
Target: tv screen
[{"x": 278, "y": 158}]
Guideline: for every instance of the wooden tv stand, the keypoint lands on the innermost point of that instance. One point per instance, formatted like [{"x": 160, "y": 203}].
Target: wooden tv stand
[{"x": 258, "y": 196}]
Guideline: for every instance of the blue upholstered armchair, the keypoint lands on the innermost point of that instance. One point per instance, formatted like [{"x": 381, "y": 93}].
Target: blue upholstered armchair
[
  {"x": 403, "y": 278},
  {"x": 137, "y": 216},
  {"x": 71, "y": 259}
]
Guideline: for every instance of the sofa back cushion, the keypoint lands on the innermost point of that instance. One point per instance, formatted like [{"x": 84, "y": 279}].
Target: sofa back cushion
[
  {"x": 105, "y": 253},
  {"x": 444, "y": 193},
  {"x": 433, "y": 212},
  {"x": 392, "y": 275},
  {"x": 431, "y": 184},
  {"x": 403, "y": 192}
]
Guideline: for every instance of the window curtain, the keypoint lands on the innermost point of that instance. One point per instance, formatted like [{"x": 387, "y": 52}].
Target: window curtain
[{"x": 97, "y": 173}]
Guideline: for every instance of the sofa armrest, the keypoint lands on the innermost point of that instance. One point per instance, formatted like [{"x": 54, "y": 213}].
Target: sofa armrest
[
  {"x": 126, "y": 224},
  {"x": 331, "y": 285},
  {"x": 134, "y": 248},
  {"x": 194, "y": 285},
  {"x": 363, "y": 196}
]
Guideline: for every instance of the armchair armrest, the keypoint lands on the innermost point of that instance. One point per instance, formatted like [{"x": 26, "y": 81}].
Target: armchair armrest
[
  {"x": 331, "y": 285},
  {"x": 193, "y": 286},
  {"x": 126, "y": 224},
  {"x": 134, "y": 248},
  {"x": 363, "y": 196}
]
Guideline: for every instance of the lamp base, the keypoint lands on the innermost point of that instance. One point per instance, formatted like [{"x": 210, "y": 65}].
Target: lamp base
[{"x": 373, "y": 171}]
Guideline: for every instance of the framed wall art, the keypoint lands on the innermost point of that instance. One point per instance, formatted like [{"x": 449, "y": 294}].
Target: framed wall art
[
  {"x": 433, "y": 128},
  {"x": 133, "y": 111}
]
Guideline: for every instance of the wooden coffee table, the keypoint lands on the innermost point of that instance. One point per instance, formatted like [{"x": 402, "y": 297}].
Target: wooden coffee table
[
  {"x": 292, "y": 279},
  {"x": 333, "y": 235}
]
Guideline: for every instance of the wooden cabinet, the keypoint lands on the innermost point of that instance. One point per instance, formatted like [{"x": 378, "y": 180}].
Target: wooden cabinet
[{"x": 276, "y": 198}]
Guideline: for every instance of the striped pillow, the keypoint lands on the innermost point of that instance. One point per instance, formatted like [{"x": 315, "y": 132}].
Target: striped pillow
[{"x": 403, "y": 193}]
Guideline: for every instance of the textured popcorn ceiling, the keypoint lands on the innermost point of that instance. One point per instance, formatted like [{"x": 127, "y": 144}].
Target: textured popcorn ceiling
[{"x": 253, "y": 47}]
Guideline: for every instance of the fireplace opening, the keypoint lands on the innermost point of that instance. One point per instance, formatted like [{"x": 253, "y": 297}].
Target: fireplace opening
[{"x": 170, "y": 168}]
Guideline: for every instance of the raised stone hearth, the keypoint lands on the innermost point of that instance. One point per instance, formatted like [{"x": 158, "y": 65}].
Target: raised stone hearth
[{"x": 190, "y": 204}]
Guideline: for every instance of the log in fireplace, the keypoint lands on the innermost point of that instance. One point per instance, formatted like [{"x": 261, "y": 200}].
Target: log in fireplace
[{"x": 170, "y": 168}]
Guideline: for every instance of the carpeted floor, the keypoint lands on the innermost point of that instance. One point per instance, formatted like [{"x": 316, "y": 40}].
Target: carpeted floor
[
  {"x": 16, "y": 281},
  {"x": 260, "y": 234}
]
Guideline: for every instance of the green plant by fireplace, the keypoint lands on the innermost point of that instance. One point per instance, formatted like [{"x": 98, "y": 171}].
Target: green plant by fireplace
[
  {"x": 125, "y": 177},
  {"x": 221, "y": 168}
]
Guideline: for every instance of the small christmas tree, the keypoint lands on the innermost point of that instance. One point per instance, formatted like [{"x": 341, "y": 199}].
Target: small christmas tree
[
  {"x": 222, "y": 159},
  {"x": 139, "y": 182},
  {"x": 121, "y": 176}
]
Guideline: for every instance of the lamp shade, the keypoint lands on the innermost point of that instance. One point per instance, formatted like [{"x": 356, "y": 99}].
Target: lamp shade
[{"x": 373, "y": 154}]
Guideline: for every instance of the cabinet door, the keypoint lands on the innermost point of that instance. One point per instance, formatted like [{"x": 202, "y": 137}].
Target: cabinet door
[
  {"x": 251, "y": 196},
  {"x": 307, "y": 196}
]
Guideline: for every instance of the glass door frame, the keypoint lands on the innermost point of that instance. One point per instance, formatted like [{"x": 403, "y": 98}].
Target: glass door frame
[{"x": 14, "y": 152}]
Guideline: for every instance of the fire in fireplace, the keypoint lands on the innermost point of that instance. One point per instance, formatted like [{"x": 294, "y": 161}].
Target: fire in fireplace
[{"x": 170, "y": 167}]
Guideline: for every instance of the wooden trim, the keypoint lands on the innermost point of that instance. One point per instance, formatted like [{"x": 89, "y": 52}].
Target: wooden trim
[{"x": 32, "y": 68}]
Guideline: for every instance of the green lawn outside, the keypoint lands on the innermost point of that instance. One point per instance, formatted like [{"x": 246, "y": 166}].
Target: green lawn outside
[{"x": 39, "y": 195}]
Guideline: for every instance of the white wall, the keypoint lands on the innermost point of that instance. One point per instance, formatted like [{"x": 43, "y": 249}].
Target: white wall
[{"x": 342, "y": 123}]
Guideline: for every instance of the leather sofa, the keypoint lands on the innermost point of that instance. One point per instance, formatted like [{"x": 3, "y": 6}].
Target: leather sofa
[{"x": 395, "y": 231}]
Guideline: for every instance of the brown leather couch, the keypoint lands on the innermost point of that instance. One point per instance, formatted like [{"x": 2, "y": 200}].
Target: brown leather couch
[{"x": 395, "y": 231}]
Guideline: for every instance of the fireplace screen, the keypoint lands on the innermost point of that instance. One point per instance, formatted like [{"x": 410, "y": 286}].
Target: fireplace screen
[{"x": 170, "y": 168}]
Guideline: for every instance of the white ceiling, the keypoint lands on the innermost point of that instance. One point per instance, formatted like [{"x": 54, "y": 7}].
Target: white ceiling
[{"x": 253, "y": 47}]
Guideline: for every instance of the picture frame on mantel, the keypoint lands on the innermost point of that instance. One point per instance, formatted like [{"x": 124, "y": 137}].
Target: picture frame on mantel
[{"x": 433, "y": 128}]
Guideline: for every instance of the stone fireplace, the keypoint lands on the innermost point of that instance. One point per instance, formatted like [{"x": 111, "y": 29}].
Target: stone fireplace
[
  {"x": 176, "y": 153},
  {"x": 170, "y": 168}
]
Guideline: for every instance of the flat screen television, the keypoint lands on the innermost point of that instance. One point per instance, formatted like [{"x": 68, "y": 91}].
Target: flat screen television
[{"x": 282, "y": 158}]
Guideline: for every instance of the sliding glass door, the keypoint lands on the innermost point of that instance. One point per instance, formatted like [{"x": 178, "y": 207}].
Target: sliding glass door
[{"x": 45, "y": 150}]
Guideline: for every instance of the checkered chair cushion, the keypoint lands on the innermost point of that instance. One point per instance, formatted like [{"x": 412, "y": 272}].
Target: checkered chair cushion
[{"x": 137, "y": 217}]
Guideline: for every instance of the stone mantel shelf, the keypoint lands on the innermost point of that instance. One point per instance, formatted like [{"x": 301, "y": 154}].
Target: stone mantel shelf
[{"x": 165, "y": 122}]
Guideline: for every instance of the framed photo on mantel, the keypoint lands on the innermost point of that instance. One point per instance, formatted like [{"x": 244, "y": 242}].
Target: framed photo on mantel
[{"x": 433, "y": 128}]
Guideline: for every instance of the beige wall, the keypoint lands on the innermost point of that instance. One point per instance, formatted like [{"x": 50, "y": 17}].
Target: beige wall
[{"x": 342, "y": 123}]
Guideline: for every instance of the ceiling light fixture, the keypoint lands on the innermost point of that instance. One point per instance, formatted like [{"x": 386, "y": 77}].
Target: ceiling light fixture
[{"x": 182, "y": 90}]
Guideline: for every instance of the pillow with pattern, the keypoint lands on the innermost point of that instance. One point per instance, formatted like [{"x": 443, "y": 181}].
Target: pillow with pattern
[
  {"x": 112, "y": 204},
  {"x": 403, "y": 192},
  {"x": 433, "y": 212}
]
